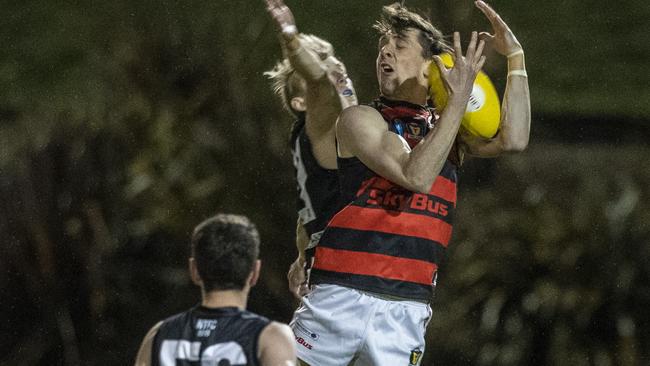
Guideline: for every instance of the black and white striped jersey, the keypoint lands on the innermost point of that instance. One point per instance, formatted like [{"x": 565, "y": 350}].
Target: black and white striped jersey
[
  {"x": 208, "y": 336},
  {"x": 318, "y": 188}
]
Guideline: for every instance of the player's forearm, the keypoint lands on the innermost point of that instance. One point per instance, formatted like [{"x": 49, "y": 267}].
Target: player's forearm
[
  {"x": 515, "y": 121},
  {"x": 306, "y": 63},
  {"x": 427, "y": 159},
  {"x": 302, "y": 240}
]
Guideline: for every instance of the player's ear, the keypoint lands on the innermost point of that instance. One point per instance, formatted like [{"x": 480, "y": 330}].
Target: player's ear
[
  {"x": 255, "y": 273},
  {"x": 298, "y": 104},
  {"x": 194, "y": 272}
]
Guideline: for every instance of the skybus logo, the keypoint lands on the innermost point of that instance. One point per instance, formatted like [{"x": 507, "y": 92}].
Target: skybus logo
[
  {"x": 400, "y": 201},
  {"x": 301, "y": 341}
]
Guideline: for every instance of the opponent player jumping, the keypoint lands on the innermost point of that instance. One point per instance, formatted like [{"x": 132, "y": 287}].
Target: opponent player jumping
[
  {"x": 315, "y": 88},
  {"x": 219, "y": 331},
  {"x": 376, "y": 263}
]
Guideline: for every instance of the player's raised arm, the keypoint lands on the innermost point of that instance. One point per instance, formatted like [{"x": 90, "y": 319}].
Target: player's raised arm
[
  {"x": 277, "y": 346},
  {"x": 306, "y": 62},
  {"x": 329, "y": 90},
  {"x": 515, "y": 111},
  {"x": 363, "y": 133}
]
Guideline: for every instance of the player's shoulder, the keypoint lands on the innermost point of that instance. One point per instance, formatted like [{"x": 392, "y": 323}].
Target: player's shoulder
[
  {"x": 277, "y": 345},
  {"x": 276, "y": 333},
  {"x": 151, "y": 334},
  {"x": 177, "y": 318},
  {"x": 173, "y": 323},
  {"x": 249, "y": 315},
  {"x": 143, "y": 357}
]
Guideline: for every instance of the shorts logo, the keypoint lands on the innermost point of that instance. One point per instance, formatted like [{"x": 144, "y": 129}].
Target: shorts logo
[
  {"x": 301, "y": 341},
  {"x": 305, "y": 331},
  {"x": 415, "y": 356}
]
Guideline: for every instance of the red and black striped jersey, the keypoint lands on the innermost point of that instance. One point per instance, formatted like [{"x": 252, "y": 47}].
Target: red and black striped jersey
[{"x": 388, "y": 239}]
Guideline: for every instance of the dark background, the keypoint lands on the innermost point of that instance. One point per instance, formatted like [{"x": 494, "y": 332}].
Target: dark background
[{"x": 123, "y": 124}]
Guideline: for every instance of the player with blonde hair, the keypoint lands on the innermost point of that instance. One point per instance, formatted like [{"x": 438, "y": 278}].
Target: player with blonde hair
[{"x": 313, "y": 85}]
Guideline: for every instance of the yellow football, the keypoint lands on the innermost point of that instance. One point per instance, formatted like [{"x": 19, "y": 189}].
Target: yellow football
[{"x": 483, "y": 114}]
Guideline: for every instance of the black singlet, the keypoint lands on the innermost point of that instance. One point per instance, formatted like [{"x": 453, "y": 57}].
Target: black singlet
[
  {"x": 318, "y": 188},
  {"x": 208, "y": 336}
]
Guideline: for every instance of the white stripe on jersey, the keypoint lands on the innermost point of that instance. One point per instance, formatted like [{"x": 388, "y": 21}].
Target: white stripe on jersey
[
  {"x": 180, "y": 349},
  {"x": 307, "y": 213}
]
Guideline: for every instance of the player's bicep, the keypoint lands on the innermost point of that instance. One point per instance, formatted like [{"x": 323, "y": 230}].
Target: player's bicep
[{"x": 363, "y": 133}]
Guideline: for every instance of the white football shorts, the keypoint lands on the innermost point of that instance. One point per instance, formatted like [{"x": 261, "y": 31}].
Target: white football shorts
[{"x": 341, "y": 326}]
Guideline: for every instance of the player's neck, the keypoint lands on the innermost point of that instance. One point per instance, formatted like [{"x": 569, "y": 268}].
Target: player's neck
[
  {"x": 225, "y": 298},
  {"x": 414, "y": 95}
]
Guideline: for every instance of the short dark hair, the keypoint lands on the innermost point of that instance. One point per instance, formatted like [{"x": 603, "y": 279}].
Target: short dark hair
[
  {"x": 225, "y": 248},
  {"x": 396, "y": 19}
]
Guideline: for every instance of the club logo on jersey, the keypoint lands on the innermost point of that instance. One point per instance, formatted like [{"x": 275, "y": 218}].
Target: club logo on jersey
[
  {"x": 415, "y": 130},
  {"x": 415, "y": 356},
  {"x": 204, "y": 327}
]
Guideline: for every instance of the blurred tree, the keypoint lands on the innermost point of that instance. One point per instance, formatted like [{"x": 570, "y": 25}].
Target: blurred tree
[{"x": 555, "y": 272}]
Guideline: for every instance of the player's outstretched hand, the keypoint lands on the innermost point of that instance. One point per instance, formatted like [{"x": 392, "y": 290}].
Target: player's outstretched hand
[
  {"x": 459, "y": 80},
  {"x": 297, "y": 279},
  {"x": 282, "y": 16},
  {"x": 503, "y": 40}
]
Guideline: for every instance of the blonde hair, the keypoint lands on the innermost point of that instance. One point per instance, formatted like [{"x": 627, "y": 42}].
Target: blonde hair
[{"x": 285, "y": 82}]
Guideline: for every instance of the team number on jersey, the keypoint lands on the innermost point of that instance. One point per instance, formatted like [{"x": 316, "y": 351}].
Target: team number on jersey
[{"x": 186, "y": 353}]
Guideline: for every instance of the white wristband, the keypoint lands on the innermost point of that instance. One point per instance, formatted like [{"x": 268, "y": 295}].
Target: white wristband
[
  {"x": 517, "y": 73},
  {"x": 519, "y": 52},
  {"x": 289, "y": 29}
]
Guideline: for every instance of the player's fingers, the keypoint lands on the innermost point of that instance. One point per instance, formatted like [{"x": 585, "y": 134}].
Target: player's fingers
[
  {"x": 298, "y": 277},
  {"x": 485, "y": 9},
  {"x": 485, "y": 36},
  {"x": 479, "y": 50},
  {"x": 440, "y": 64},
  {"x": 480, "y": 63},
  {"x": 457, "y": 48},
  {"x": 304, "y": 289},
  {"x": 272, "y": 4},
  {"x": 490, "y": 14},
  {"x": 471, "y": 48},
  {"x": 296, "y": 293}
]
